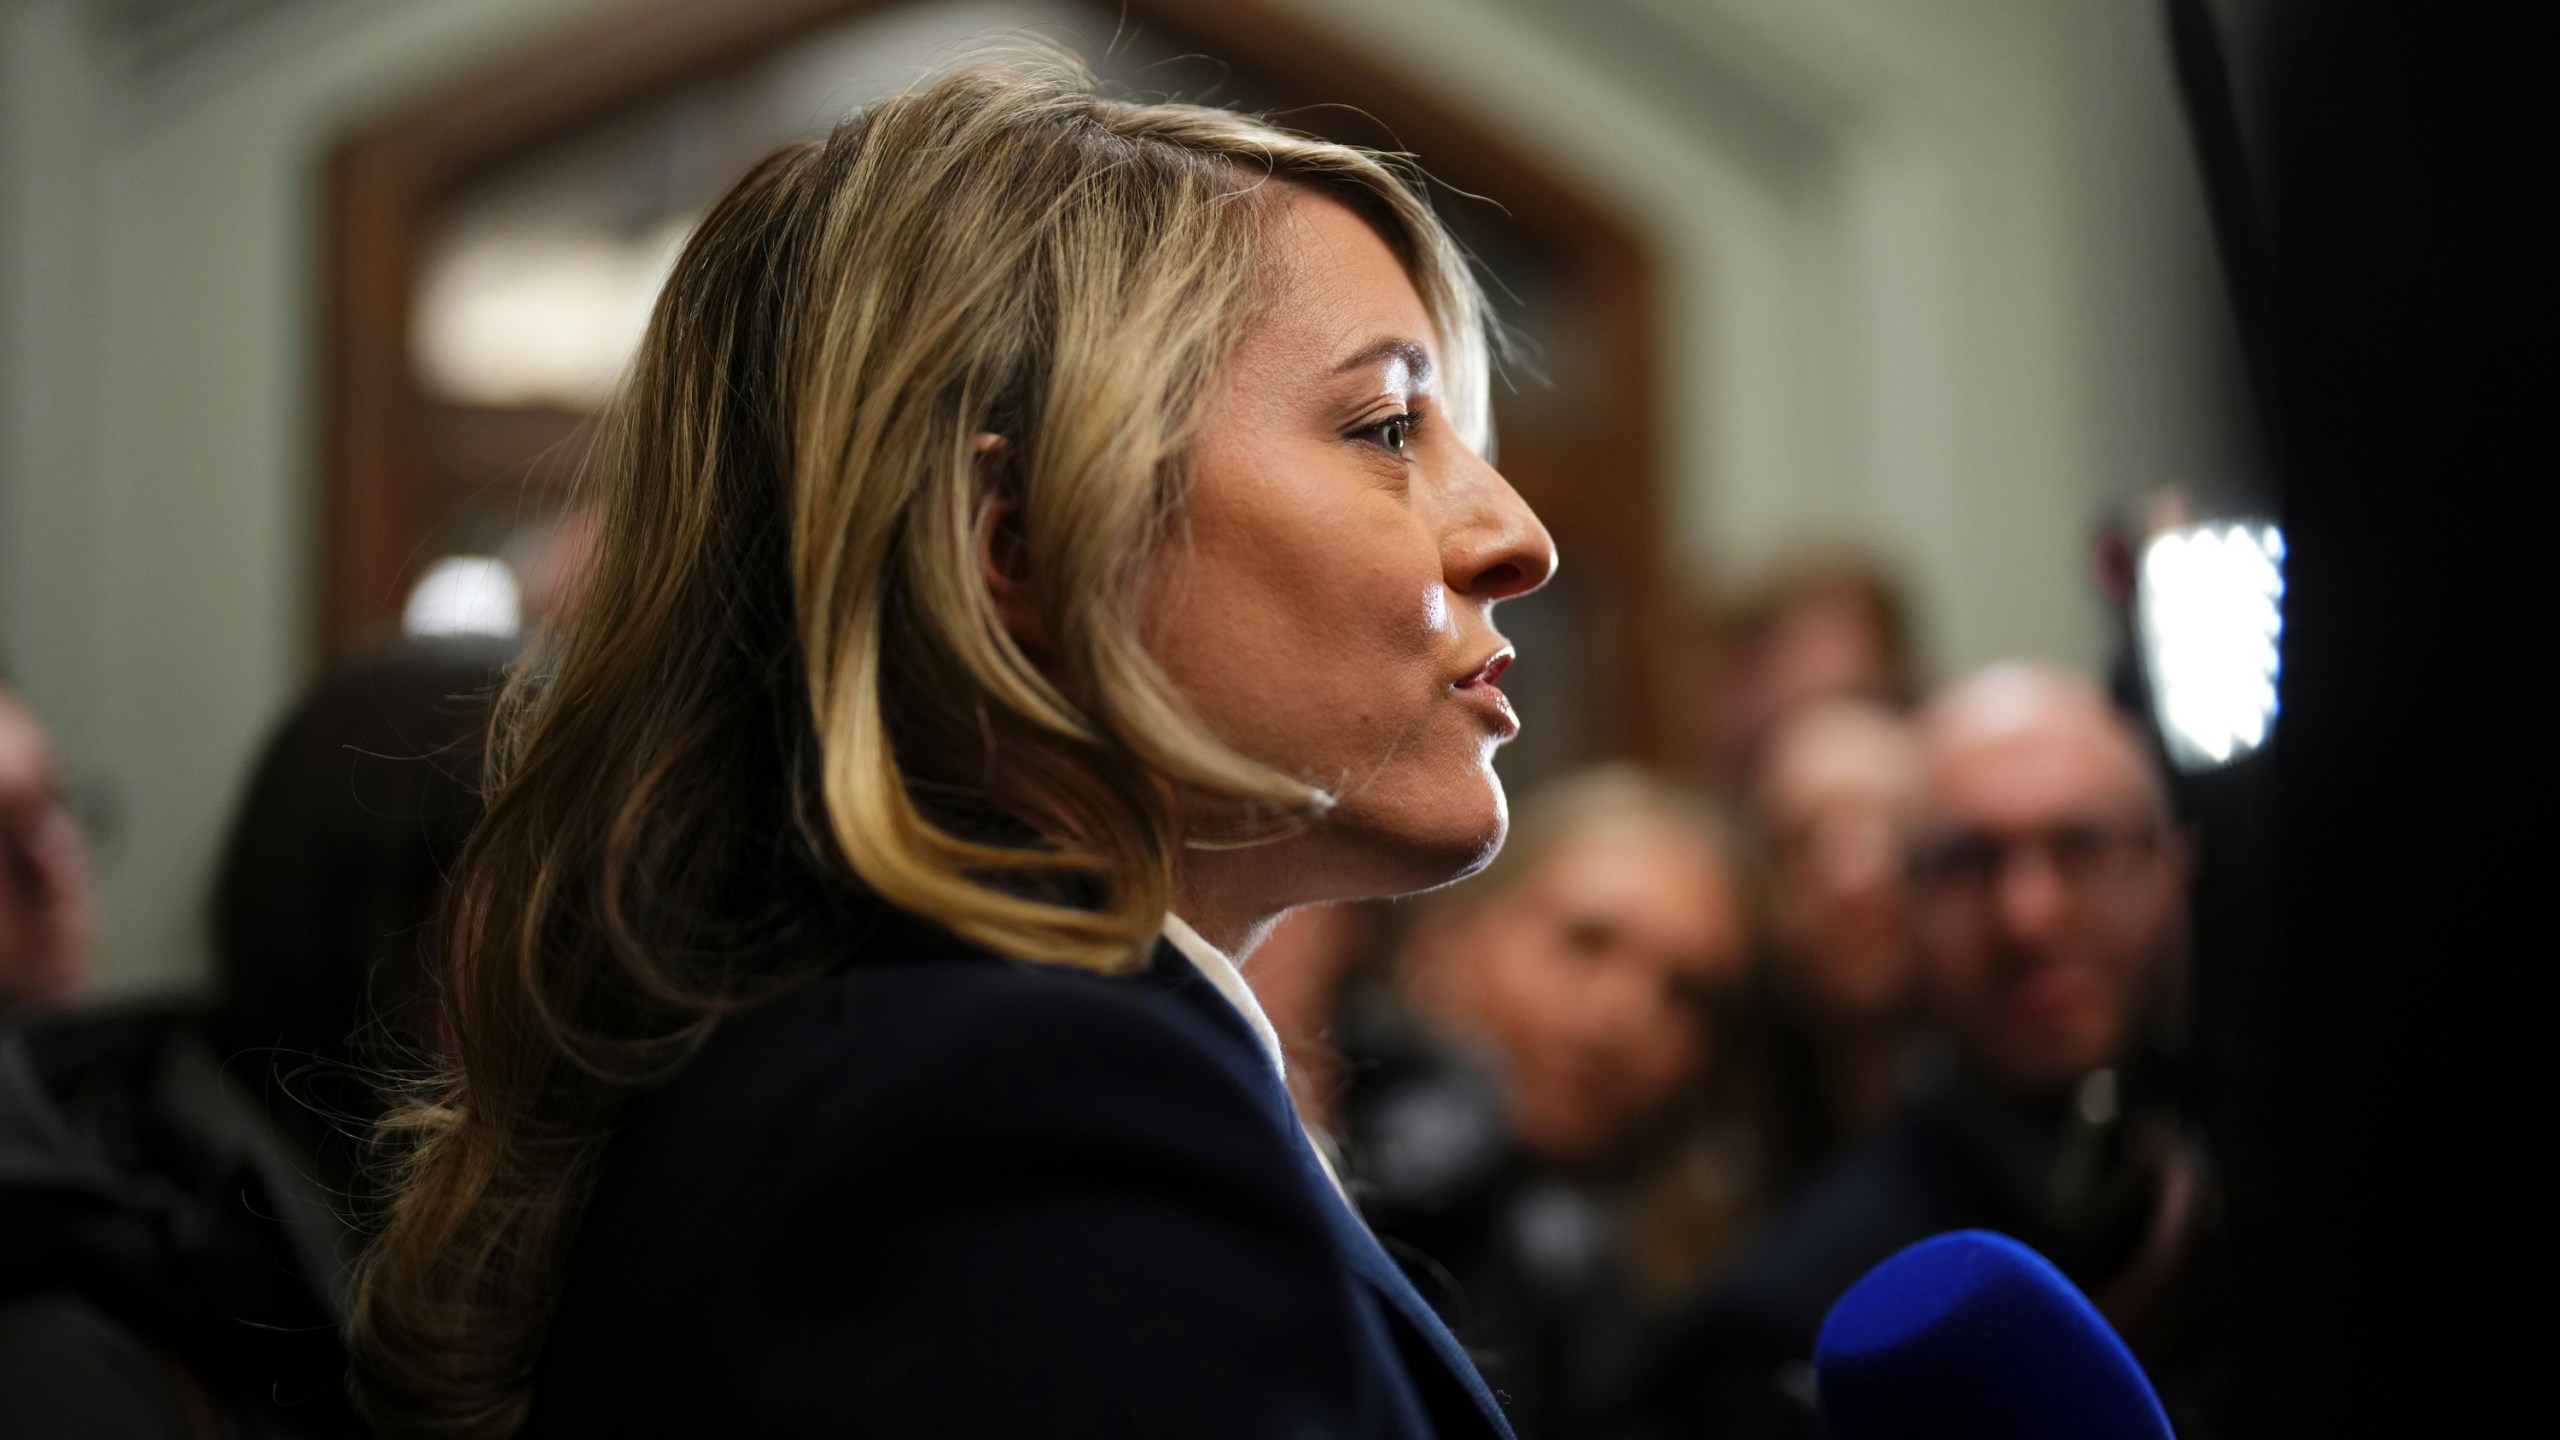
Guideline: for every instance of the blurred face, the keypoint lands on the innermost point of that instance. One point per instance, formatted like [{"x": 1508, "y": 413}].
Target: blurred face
[
  {"x": 46, "y": 908},
  {"x": 1592, "y": 982},
  {"x": 2048, "y": 888},
  {"x": 1835, "y": 786},
  {"x": 1824, "y": 645},
  {"x": 1327, "y": 606}
]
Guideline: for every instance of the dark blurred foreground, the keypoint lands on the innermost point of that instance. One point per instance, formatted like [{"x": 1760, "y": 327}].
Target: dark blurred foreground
[{"x": 182, "y": 1187}]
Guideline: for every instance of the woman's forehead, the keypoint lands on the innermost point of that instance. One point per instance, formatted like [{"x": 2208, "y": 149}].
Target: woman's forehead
[{"x": 1343, "y": 300}]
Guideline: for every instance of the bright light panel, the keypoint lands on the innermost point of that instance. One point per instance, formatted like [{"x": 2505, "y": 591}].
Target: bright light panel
[
  {"x": 537, "y": 317},
  {"x": 2210, "y": 604},
  {"x": 465, "y": 595}
]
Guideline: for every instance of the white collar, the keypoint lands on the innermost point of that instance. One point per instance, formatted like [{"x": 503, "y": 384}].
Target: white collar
[{"x": 1213, "y": 963}]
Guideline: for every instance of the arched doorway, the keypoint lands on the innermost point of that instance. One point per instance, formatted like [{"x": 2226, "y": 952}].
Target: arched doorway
[{"x": 417, "y": 466}]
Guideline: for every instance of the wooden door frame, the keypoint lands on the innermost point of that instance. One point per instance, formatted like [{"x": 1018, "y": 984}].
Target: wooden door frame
[{"x": 386, "y": 180}]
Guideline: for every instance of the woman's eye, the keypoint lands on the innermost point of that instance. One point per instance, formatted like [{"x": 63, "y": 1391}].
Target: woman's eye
[{"x": 1393, "y": 434}]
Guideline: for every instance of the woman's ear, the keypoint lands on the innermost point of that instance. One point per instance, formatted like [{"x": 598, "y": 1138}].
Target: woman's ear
[{"x": 1003, "y": 558}]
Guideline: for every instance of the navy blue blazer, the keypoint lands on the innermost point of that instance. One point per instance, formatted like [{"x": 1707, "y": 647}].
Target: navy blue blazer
[{"x": 940, "y": 1193}]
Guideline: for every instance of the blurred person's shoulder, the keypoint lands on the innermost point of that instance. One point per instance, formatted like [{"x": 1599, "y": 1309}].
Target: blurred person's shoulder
[
  {"x": 1866, "y": 1203},
  {"x": 167, "y": 1251},
  {"x": 1944, "y": 1161},
  {"x": 1735, "y": 1359},
  {"x": 1422, "y": 1127}
]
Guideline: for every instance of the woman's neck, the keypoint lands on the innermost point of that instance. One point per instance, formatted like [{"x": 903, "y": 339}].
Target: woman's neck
[
  {"x": 1234, "y": 929},
  {"x": 1234, "y": 897}
]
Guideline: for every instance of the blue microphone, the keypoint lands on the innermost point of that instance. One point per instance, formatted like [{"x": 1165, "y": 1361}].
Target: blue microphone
[{"x": 1972, "y": 1336}]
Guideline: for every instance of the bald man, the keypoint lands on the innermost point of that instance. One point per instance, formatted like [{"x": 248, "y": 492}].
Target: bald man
[
  {"x": 2047, "y": 884},
  {"x": 2048, "y": 878}
]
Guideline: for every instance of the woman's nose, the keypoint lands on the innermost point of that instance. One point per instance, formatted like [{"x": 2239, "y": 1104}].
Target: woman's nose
[{"x": 1497, "y": 548}]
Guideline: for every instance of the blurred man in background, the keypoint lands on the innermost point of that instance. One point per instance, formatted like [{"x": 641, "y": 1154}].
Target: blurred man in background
[
  {"x": 1839, "y": 1004},
  {"x": 1541, "y": 1140},
  {"x": 48, "y": 913},
  {"x": 2050, "y": 880},
  {"x": 2048, "y": 903}
]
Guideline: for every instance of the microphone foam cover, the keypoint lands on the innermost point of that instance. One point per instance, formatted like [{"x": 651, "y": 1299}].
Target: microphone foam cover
[{"x": 1971, "y": 1334}]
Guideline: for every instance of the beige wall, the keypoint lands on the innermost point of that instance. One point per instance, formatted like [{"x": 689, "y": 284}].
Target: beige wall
[
  {"x": 1937, "y": 278},
  {"x": 158, "y": 254}
]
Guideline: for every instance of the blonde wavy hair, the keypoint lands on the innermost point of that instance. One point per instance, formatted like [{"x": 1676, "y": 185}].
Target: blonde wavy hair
[{"x": 786, "y": 703}]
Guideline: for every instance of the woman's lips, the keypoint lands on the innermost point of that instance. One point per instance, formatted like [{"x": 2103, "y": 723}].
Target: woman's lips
[{"x": 1480, "y": 689}]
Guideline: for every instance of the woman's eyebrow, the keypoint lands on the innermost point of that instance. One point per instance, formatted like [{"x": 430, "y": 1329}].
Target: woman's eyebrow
[{"x": 1410, "y": 354}]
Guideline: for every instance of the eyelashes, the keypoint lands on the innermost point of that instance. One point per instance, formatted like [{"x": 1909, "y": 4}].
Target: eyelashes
[{"x": 1394, "y": 434}]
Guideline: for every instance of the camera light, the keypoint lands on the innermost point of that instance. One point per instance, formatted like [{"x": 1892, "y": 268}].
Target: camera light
[
  {"x": 2209, "y": 601},
  {"x": 465, "y": 595}
]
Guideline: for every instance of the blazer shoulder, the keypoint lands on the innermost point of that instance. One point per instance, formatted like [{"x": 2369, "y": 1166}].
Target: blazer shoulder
[
  {"x": 948, "y": 1194},
  {"x": 961, "y": 1062}
]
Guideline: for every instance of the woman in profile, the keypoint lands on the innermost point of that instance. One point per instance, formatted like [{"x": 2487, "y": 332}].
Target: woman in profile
[{"x": 1044, "y": 541}]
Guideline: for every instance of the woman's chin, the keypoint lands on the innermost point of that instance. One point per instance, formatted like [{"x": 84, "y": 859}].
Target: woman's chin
[{"x": 1411, "y": 856}]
